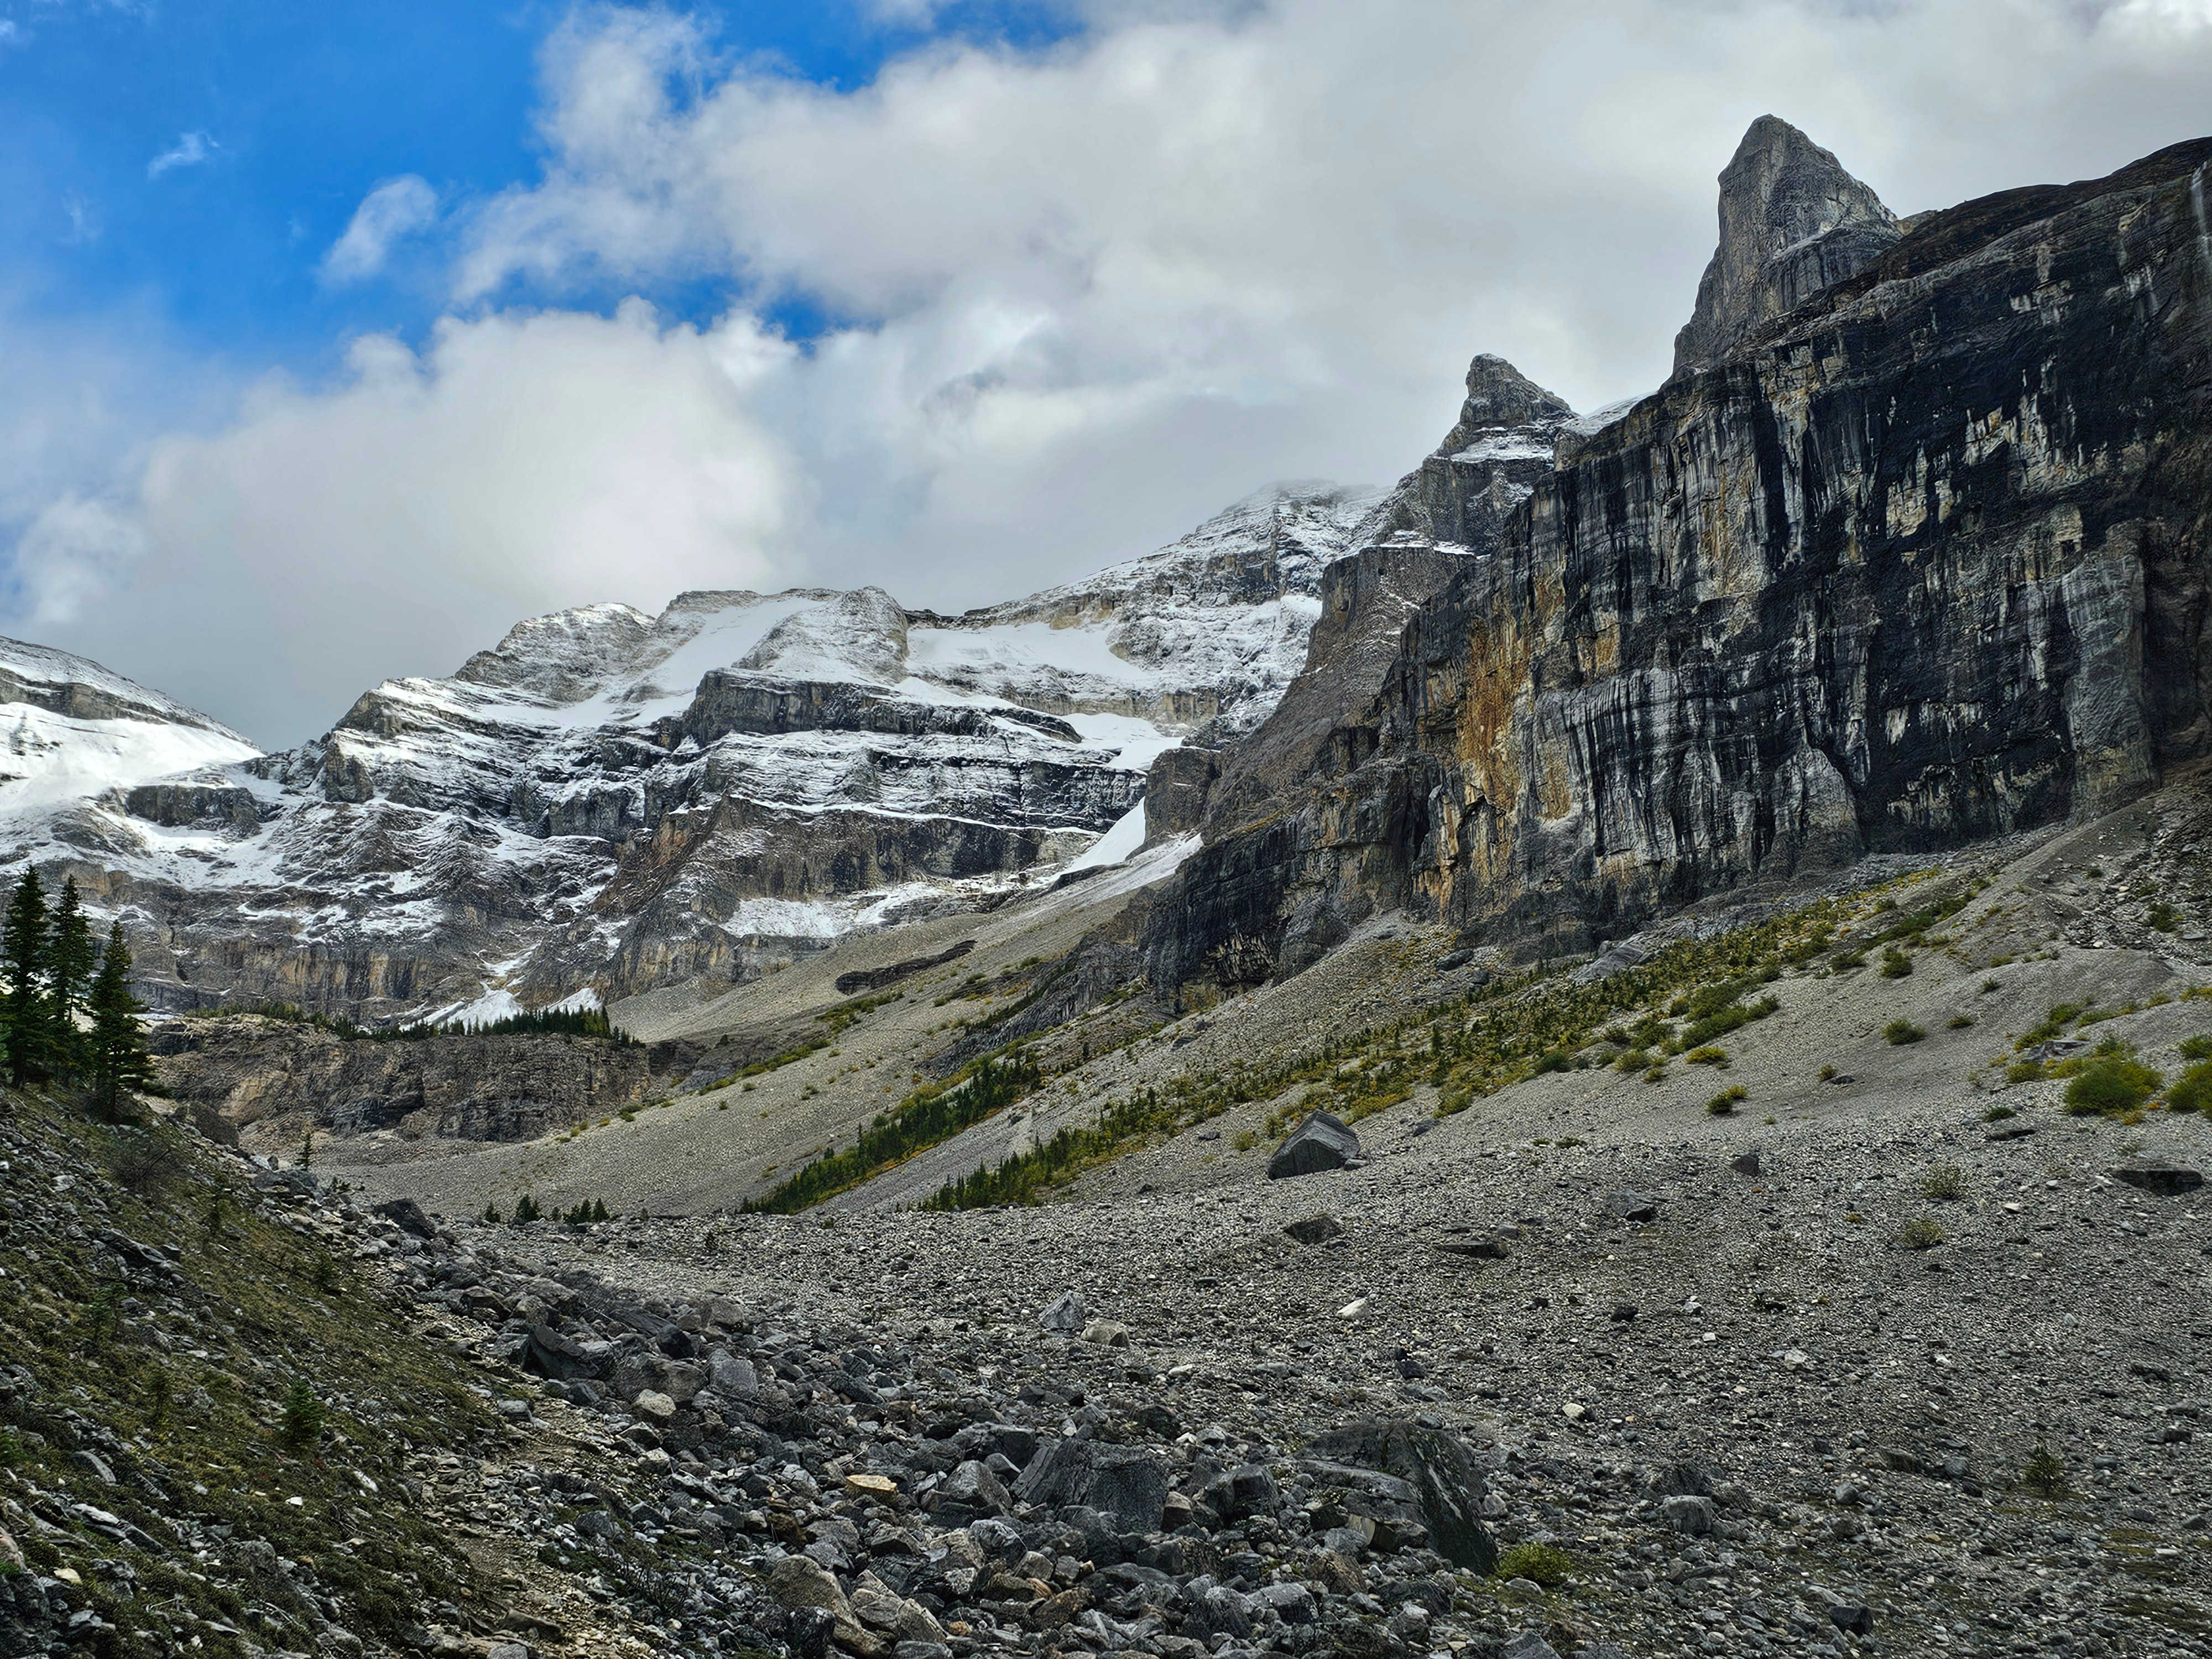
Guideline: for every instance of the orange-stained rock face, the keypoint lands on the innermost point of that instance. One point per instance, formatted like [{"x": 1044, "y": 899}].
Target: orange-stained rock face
[{"x": 1922, "y": 560}]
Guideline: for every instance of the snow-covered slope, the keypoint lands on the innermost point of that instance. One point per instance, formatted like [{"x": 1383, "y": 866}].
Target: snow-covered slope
[
  {"x": 76, "y": 739},
  {"x": 606, "y": 800}
]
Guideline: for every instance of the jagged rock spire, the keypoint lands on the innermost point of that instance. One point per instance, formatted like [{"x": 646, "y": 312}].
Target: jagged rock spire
[{"x": 1792, "y": 222}]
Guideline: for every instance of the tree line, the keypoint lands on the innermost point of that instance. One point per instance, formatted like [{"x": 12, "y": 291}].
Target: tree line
[{"x": 67, "y": 1013}]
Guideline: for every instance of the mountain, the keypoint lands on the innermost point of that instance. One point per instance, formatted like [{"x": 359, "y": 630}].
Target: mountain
[
  {"x": 86, "y": 747},
  {"x": 1918, "y": 561},
  {"x": 605, "y": 801},
  {"x": 1792, "y": 222}
]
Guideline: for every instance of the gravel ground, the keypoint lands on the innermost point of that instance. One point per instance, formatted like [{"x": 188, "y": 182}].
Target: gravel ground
[{"x": 1856, "y": 1346}]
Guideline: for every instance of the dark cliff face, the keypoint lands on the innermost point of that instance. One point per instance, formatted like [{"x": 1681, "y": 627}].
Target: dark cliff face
[{"x": 1925, "y": 561}]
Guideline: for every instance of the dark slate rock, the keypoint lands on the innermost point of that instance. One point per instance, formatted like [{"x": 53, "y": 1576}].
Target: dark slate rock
[
  {"x": 408, "y": 1218},
  {"x": 1315, "y": 1229},
  {"x": 1322, "y": 1142},
  {"x": 2166, "y": 1180},
  {"x": 1446, "y": 1481},
  {"x": 1127, "y": 1482},
  {"x": 1633, "y": 1206}
]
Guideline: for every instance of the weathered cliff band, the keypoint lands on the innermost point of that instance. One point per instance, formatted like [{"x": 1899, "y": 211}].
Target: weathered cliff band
[{"x": 1924, "y": 561}]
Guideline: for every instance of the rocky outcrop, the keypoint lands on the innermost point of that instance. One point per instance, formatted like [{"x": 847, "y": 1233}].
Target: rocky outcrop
[
  {"x": 1502, "y": 444},
  {"x": 253, "y": 1069},
  {"x": 1924, "y": 561},
  {"x": 1793, "y": 222}
]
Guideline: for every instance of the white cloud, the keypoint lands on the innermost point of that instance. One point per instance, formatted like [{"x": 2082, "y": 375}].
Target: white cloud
[
  {"x": 397, "y": 209},
  {"x": 1089, "y": 294},
  {"x": 192, "y": 149},
  {"x": 328, "y": 538}
]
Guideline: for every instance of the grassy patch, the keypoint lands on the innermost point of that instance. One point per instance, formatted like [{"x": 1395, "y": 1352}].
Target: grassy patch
[
  {"x": 1902, "y": 1031},
  {"x": 2111, "y": 1086},
  {"x": 1539, "y": 1563}
]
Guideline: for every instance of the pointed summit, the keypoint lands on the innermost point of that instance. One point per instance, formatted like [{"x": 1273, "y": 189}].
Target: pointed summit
[{"x": 1792, "y": 222}]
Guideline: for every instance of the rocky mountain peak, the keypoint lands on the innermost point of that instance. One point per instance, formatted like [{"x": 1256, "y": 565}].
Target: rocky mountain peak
[
  {"x": 1502, "y": 442},
  {"x": 1792, "y": 222},
  {"x": 1500, "y": 396}
]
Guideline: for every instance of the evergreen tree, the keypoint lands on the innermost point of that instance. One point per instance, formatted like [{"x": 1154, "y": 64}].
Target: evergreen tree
[
  {"x": 117, "y": 1042},
  {"x": 75, "y": 958},
  {"x": 24, "y": 951}
]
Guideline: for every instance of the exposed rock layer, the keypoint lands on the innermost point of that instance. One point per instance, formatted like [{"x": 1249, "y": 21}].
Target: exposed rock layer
[{"x": 1925, "y": 561}]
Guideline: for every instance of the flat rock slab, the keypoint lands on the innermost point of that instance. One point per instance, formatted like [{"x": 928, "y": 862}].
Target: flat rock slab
[
  {"x": 1322, "y": 1142},
  {"x": 2166, "y": 1180},
  {"x": 1315, "y": 1229}
]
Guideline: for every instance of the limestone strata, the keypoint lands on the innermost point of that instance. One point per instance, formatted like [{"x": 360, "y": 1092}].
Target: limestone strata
[
  {"x": 256, "y": 1071},
  {"x": 1926, "y": 561}
]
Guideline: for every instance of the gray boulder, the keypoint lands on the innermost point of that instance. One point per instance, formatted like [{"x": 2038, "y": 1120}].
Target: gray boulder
[
  {"x": 1445, "y": 1482},
  {"x": 1067, "y": 1312},
  {"x": 971, "y": 1491},
  {"x": 1126, "y": 1482},
  {"x": 1322, "y": 1142}
]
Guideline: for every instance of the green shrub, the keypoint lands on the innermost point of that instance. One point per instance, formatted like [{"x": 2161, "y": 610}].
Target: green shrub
[
  {"x": 2161, "y": 916},
  {"x": 526, "y": 1212},
  {"x": 1895, "y": 964},
  {"x": 1539, "y": 1563},
  {"x": 1724, "y": 1104},
  {"x": 1945, "y": 1182},
  {"x": 1828, "y": 1072},
  {"x": 2109, "y": 1087},
  {"x": 1921, "y": 1233},
  {"x": 1998, "y": 1114},
  {"x": 1959, "y": 1022},
  {"x": 2198, "y": 1046},
  {"x": 2044, "y": 1474},
  {"x": 2024, "y": 1071},
  {"x": 1902, "y": 1031},
  {"x": 1707, "y": 1055},
  {"x": 1635, "y": 1060},
  {"x": 2192, "y": 1089},
  {"x": 1554, "y": 1060}
]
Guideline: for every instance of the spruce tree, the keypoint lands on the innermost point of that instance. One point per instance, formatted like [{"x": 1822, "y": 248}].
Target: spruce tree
[
  {"x": 75, "y": 958},
  {"x": 24, "y": 950},
  {"x": 117, "y": 1042}
]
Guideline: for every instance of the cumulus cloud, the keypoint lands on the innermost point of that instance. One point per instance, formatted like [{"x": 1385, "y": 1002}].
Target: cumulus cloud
[
  {"x": 394, "y": 211},
  {"x": 1080, "y": 297},
  {"x": 332, "y": 537},
  {"x": 192, "y": 149}
]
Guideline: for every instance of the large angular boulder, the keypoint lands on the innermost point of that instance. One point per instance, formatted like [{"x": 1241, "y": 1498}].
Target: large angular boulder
[
  {"x": 1440, "y": 1474},
  {"x": 1322, "y": 1142},
  {"x": 1126, "y": 1482}
]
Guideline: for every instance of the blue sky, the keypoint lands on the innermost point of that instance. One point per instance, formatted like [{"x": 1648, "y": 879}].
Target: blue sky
[
  {"x": 341, "y": 337},
  {"x": 193, "y": 159}
]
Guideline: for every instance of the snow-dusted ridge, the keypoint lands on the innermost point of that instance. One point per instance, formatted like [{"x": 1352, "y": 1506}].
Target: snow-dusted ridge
[{"x": 606, "y": 799}]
